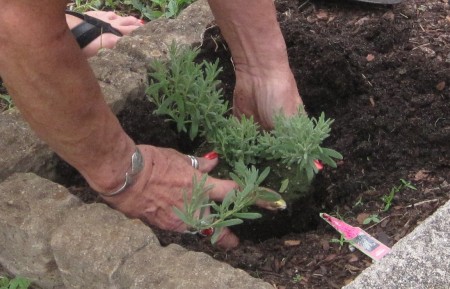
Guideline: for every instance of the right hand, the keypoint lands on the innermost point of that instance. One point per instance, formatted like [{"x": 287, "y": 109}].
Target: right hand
[{"x": 160, "y": 186}]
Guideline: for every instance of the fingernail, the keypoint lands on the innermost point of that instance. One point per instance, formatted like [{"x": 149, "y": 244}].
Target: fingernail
[
  {"x": 280, "y": 204},
  {"x": 319, "y": 165},
  {"x": 211, "y": 155},
  {"x": 207, "y": 232},
  {"x": 142, "y": 21}
]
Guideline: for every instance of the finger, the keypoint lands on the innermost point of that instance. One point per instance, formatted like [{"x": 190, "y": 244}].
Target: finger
[
  {"x": 227, "y": 239},
  {"x": 128, "y": 21},
  {"x": 126, "y": 30},
  {"x": 111, "y": 15},
  {"x": 102, "y": 15},
  {"x": 206, "y": 163}
]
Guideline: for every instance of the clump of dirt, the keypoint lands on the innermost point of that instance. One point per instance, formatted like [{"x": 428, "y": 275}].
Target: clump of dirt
[{"x": 382, "y": 73}]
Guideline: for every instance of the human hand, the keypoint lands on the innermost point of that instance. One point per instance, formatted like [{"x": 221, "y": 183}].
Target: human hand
[
  {"x": 125, "y": 24},
  {"x": 264, "y": 95},
  {"x": 160, "y": 186}
]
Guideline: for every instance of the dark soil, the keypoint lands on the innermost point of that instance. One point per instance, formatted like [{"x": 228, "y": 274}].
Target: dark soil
[{"x": 383, "y": 74}]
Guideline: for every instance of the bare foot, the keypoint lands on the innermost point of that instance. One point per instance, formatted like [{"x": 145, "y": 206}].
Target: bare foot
[
  {"x": 265, "y": 94},
  {"x": 107, "y": 40}
]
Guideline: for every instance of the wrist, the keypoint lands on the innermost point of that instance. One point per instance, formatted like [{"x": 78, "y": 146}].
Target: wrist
[
  {"x": 108, "y": 167},
  {"x": 135, "y": 168}
]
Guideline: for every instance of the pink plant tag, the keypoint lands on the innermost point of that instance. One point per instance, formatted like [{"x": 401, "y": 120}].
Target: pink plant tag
[{"x": 358, "y": 238}]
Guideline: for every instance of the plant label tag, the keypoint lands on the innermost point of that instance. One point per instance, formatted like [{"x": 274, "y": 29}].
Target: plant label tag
[{"x": 358, "y": 238}]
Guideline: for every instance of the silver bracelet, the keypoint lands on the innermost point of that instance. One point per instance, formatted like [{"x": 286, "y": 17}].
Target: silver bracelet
[{"x": 137, "y": 164}]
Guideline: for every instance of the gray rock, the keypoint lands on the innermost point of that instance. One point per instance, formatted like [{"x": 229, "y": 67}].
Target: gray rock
[
  {"x": 93, "y": 242},
  {"x": 173, "y": 267},
  {"x": 31, "y": 208},
  {"x": 418, "y": 261},
  {"x": 21, "y": 150},
  {"x": 121, "y": 77},
  {"x": 153, "y": 40}
]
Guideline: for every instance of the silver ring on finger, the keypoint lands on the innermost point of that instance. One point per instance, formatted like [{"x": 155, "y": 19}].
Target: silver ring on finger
[{"x": 194, "y": 162}]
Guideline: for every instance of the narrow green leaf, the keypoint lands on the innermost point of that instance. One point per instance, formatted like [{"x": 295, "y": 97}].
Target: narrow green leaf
[
  {"x": 333, "y": 153},
  {"x": 228, "y": 223},
  {"x": 284, "y": 185},
  {"x": 263, "y": 175},
  {"x": 309, "y": 173},
  {"x": 215, "y": 236},
  {"x": 230, "y": 197},
  {"x": 180, "y": 215},
  {"x": 268, "y": 196},
  {"x": 250, "y": 216}
]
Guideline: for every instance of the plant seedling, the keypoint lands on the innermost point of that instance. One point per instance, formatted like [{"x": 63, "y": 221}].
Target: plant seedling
[
  {"x": 15, "y": 283},
  {"x": 7, "y": 100},
  {"x": 358, "y": 203},
  {"x": 387, "y": 199},
  {"x": 297, "y": 278},
  {"x": 372, "y": 218},
  {"x": 341, "y": 241}
]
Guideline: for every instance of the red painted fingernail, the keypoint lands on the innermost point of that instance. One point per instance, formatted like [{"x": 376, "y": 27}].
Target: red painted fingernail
[
  {"x": 207, "y": 232},
  {"x": 142, "y": 21},
  {"x": 211, "y": 155},
  {"x": 318, "y": 164}
]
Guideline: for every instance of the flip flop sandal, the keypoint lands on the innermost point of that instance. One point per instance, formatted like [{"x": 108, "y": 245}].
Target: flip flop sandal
[{"x": 90, "y": 29}]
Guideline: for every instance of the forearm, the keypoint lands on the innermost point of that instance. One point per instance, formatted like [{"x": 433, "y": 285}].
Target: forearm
[
  {"x": 54, "y": 88},
  {"x": 247, "y": 26}
]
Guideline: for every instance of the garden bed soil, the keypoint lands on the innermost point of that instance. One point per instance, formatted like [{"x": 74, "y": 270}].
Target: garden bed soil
[{"x": 383, "y": 74}]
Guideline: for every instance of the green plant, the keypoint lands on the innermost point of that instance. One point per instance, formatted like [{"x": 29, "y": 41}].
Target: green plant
[
  {"x": 234, "y": 207},
  {"x": 340, "y": 216},
  {"x": 189, "y": 96},
  {"x": 181, "y": 90},
  {"x": 387, "y": 199},
  {"x": 15, "y": 283},
  {"x": 372, "y": 218},
  {"x": 341, "y": 241},
  {"x": 297, "y": 278},
  {"x": 7, "y": 100},
  {"x": 295, "y": 141},
  {"x": 358, "y": 203},
  {"x": 82, "y": 6},
  {"x": 153, "y": 9},
  {"x": 236, "y": 140}
]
